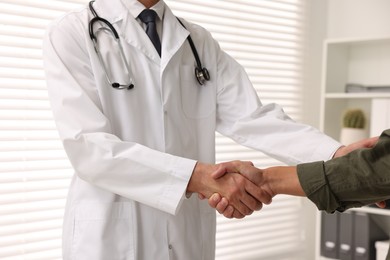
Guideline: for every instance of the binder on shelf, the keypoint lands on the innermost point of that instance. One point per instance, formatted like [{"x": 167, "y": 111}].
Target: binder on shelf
[
  {"x": 346, "y": 235},
  {"x": 366, "y": 233},
  {"x": 359, "y": 88},
  {"x": 330, "y": 235}
]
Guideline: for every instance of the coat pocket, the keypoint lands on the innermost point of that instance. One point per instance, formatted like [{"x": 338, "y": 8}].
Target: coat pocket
[
  {"x": 103, "y": 231},
  {"x": 198, "y": 101}
]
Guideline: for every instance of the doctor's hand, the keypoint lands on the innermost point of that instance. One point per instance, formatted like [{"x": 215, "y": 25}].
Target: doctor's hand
[
  {"x": 241, "y": 193},
  {"x": 365, "y": 143}
]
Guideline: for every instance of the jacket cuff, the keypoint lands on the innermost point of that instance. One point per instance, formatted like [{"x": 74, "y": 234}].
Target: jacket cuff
[
  {"x": 316, "y": 187},
  {"x": 175, "y": 191}
]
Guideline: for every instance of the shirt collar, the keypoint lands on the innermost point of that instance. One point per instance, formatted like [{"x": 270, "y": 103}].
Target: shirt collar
[{"x": 135, "y": 8}]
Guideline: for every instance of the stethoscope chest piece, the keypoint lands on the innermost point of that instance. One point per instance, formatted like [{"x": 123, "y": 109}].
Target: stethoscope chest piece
[{"x": 202, "y": 75}]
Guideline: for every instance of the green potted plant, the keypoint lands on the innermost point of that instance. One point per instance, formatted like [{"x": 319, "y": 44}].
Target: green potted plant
[{"x": 354, "y": 122}]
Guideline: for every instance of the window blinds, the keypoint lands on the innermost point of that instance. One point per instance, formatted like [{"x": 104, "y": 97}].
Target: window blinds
[
  {"x": 34, "y": 171},
  {"x": 265, "y": 36}
]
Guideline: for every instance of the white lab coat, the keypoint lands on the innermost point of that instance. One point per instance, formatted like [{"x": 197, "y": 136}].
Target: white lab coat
[{"x": 133, "y": 151}]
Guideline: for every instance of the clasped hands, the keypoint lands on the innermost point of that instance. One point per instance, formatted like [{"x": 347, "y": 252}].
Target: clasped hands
[{"x": 237, "y": 186}]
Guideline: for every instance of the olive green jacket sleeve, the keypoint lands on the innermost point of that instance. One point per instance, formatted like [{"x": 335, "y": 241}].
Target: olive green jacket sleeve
[{"x": 359, "y": 178}]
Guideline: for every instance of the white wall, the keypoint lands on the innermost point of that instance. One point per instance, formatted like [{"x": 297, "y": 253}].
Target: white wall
[
  {"x": 358, "y": 18},
  {"x": 317, "y": 27}
]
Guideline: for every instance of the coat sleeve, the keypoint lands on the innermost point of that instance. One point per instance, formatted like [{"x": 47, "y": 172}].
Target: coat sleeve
[
  {"x": 99, "y": 157},
  {"x": 360, "y": 178},
  {"x": 266, "y": 128}
]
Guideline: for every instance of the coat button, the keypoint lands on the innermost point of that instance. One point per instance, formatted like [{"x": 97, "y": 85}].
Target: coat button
[{"x": 170, "y": 247}]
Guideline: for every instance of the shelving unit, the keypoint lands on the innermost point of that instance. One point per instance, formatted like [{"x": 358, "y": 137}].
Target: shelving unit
[{"x": 357, "y": 61}]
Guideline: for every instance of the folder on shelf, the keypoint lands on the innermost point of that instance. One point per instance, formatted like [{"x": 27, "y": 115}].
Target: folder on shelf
[
  {"x": 366, "y": 233},
  {"x": 359, "y": 88},
  {"x": 346, "y": 236},
  {"x": 330, "y": 235}
]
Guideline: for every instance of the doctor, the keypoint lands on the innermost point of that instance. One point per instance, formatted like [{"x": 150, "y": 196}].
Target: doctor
[{"x": 139, "y": 129}]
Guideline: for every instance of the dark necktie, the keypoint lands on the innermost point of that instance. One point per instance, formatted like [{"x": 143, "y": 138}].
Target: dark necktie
[{"x": 148, "y": 17}]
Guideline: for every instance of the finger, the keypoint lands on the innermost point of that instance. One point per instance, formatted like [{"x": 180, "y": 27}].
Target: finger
[
  {"x": 373, "y": 141},
  {"x": 249, "y": 163},
  {"x": 238, "y": 215},
  {"x": 250, "y": 202},
  {"x": 252, "y": 173},
  {"x": 232, "y": 166},
  {"x": 239, "y": 198},
  {"x": 201, "y": 196},
  {"x": 243, "y": 207},
  {"x": 222, "y": 205},
  {"x": 228, "y": 213},
  {"x": 214, "y": 200},
  {"x": 258, "y": 193},
  {"x": 370, "y": 142},
  {"x": 243, "y": 163},
  {"x": 219, "y": 172},
  {"x": 381, "y": 204},
  {"x": 239, "y": 206},
  {"x": 365, "y": 143}
]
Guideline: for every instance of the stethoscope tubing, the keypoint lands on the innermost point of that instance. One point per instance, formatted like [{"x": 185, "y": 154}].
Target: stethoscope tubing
[{"x": 201, "y": 73}]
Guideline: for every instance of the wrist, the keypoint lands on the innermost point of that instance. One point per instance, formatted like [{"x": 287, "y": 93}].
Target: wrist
[
  {"x": 199, "y": 178},
  {"x": 193, "y": 184},
  {"x": 283, "y": 180}
]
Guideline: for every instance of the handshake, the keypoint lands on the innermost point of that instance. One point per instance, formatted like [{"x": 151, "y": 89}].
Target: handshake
[{"x": 237, "y": 188}]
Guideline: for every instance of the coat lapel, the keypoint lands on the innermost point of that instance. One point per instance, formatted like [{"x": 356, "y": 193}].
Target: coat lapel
[
  {"x": 134, "y": 35},
  {"x": 174, "y": 35}
]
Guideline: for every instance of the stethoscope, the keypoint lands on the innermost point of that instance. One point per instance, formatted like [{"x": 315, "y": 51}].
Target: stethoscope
[{"x": 201, "y": 73}]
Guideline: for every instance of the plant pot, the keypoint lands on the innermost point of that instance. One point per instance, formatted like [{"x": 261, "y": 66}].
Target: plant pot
[{"x": 351, "y": 135}]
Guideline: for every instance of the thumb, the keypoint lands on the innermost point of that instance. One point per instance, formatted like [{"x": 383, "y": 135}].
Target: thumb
[{"x": 219, "y": 172}]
